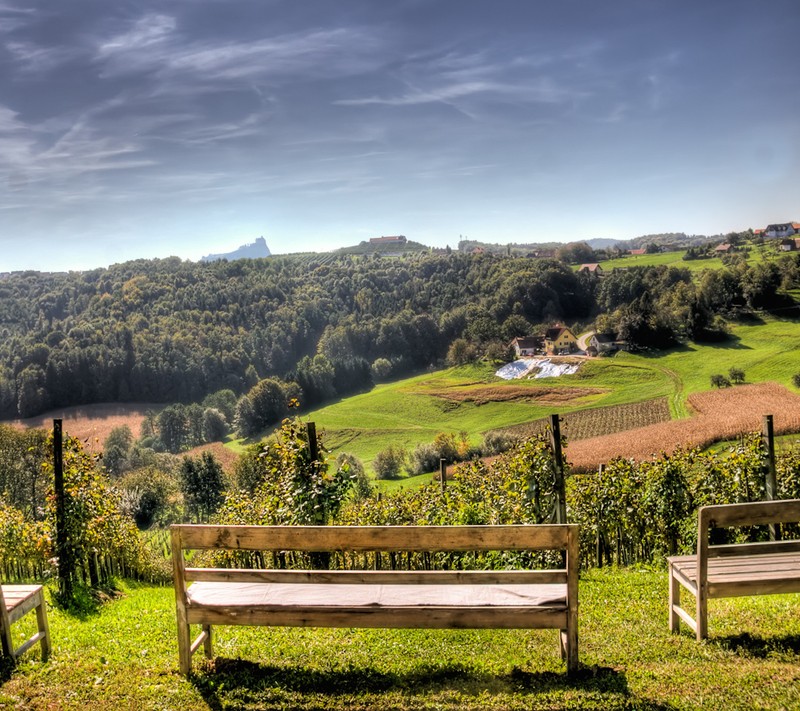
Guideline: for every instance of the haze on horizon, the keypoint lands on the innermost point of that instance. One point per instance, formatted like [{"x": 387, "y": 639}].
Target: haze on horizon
[{"x": 148, "y": 129}]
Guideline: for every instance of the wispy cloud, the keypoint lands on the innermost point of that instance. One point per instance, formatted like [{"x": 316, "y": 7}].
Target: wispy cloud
[{"x": 154, "y": 43}]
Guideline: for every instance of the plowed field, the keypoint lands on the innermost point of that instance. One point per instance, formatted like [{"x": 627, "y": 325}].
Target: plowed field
[{"x": 718, "y": 414}]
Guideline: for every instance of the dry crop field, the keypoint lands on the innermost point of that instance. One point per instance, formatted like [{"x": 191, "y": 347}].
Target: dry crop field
[
  {"x": 93, "y": 423},
  {"x": 718, "y": 415},
  {"x": 509, "y": 393}
]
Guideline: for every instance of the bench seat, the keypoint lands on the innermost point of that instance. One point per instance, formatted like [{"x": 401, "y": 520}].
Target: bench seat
[
  {"x": 735, "y": 569},
  {"x": 378, "y": 605},
  {"x": 742, "y": 575}
]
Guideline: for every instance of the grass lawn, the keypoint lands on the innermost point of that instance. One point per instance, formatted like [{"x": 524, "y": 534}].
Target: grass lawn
[{"x": 124, "y": 656}]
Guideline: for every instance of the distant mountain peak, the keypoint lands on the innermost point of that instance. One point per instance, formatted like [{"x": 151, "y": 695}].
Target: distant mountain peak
[{"x": 254, "y": 250}]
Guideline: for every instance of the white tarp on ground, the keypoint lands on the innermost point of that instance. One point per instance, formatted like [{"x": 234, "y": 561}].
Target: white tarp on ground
[{"x": 536, "y": 368}]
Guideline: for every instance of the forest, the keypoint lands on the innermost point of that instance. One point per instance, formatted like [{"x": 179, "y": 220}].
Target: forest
[{"x": 315, "y": 327}]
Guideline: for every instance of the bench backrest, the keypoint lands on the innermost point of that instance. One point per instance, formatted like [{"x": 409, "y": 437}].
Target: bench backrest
[
  {"x": 376, "y": 539},
  {"x": 757, "y": 513}
]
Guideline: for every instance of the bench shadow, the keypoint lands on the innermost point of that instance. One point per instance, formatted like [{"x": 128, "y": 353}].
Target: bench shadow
[
  {"x": 262, "y": 686},
  {"x": 749, "y": 645}
]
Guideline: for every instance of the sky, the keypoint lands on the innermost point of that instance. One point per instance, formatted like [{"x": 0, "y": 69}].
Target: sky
[{"x": 150, "y": 128}]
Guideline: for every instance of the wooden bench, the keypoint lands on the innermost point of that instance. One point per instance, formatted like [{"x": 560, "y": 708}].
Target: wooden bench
[
  {"x": 732, "y": 570},
  {"x": 393, "y": 598},
  {"x": 16, "y": 601}
]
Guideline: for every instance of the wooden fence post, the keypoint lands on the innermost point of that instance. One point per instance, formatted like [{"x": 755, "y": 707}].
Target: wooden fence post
[
  {"x": 558, "y": 469},
  {"x": 770, "y": 479},
  {"x": 599, "y": 538},
  {"x": 313, "y": 446},
  {"x": 443, "y": 474},
  {"x": 65, "y": 563}
]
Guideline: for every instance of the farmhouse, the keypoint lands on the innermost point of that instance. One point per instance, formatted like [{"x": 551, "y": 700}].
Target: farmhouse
[
  {"x": 595, "y": 269},
  {"x": 525, "y": 346},
  {"x": 603, "y": 342},
  {"x": 559, "y": 339},
  {"x": 637, "y": 252},
  {"x": 789, "y": 245},
  {"x": 723, "y": 248},
  {"x": 782, "y": 229}
]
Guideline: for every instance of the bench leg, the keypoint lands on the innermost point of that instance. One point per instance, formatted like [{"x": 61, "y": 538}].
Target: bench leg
[
  {"x": 44, "y": 628},
  {"x": 184, "y": 648},
  {"x": 674, "y": 601},
  {"x": 568, "y": 640},
  {"x": 701, "y": 617},
  {"x": 207, "y": 642}
]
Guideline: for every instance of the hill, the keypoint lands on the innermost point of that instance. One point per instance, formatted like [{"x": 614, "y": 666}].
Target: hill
[{"x": 255, "y": 250}]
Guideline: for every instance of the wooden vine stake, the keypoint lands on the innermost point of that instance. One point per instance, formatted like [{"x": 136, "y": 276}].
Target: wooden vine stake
[
  {"x": 558, "y": 469},
  {"x": 770, "y": 479},
  {"x": 62, "y": 546}
]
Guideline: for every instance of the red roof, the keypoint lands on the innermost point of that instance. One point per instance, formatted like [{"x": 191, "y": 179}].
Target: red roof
[{"x": 638, "y": 251}]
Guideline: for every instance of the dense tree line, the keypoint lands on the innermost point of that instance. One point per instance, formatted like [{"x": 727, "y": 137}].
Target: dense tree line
[{"x": 318, "y": 327}]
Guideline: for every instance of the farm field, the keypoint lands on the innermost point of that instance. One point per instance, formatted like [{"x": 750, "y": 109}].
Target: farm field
[{"x": 472, "y": 399}]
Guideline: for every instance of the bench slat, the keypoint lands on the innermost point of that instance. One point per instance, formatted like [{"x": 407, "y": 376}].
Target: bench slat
[
  {"x": 756, "y": 513},
  {"x": 373, "y": 538},
  {"x": 403, "y": 617},
  {"x": 753, "y": 549},
  {"x": 376, "y": 577}
]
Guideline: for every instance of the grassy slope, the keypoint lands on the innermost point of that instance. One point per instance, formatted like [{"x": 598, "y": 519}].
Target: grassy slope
[
  {"x": 409, "y": 411},
  {"x": 675, "y": 259},
  {"x": 125, "y": 657}
]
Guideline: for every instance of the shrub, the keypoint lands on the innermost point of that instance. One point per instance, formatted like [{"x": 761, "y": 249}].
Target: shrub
[
  {"x": 796, "y": 380},
  {"x": 389, "y": 462}
]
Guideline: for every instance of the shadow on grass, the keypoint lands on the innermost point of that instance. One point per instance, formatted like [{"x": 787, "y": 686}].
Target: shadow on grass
[
  {"x": 749, "y": 645},
  {"x": 258, "y": 686}
]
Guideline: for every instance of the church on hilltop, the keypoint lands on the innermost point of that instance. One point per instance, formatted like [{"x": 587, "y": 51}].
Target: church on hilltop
[{"x": 255, "y": 250}]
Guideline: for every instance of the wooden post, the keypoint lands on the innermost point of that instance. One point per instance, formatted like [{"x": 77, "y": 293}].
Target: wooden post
[
  {"x": 443, "y": 474},
  {"x": 770, "y": 480},
  {"x": 62, "y": 545},
  {"x": 313, "y": 448},
  {"x": 599, "y": 537},
  {"x": 558, "y": 469}
]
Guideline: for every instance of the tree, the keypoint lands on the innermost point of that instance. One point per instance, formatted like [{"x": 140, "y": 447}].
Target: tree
[
  {"x": 202, "y": 485},
  {"x": 720, "y": 381},
  {"x": 173, "y": 428},
  {"x": 736, "y": 375},
  {"x": 116, "y": 450},
  {"x": 381, "y": 368},
  {"x": 461, "y": 352},
  {"x": 796, "y": 380},
  {"x": 215, "y": 426}
]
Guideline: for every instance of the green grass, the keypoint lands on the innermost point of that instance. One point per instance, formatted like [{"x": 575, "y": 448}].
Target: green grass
[
  {"x": 125, "y": 657},
  {"x": 675, "y": 259}
]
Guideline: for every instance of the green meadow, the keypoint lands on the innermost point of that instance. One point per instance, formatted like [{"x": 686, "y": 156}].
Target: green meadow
[
  {"x": 123, "y": 655},
  {"x": 407, "y": 412},
  {"x": 675, "y": 259}
]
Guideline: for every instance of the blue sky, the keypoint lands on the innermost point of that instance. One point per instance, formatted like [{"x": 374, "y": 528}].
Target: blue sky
[{"x": 185, "y": 127}]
